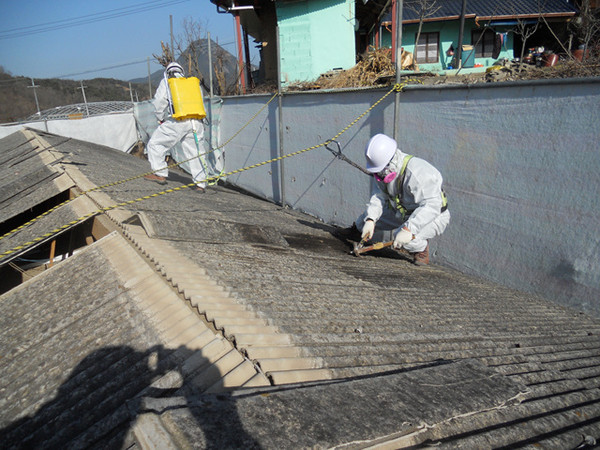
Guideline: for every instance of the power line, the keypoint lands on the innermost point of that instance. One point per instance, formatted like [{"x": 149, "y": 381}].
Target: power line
[
  {"x": 103, "y": 68},
  {"x": 86, "y": 19},
  {"x": 75, "y": 18},
  {"x": 116, "y": 66}
]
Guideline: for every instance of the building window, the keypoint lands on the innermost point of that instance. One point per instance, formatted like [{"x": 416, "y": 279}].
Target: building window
[
  {"x": 484, "y": 45},
  {"x": 428, "y": 48}
]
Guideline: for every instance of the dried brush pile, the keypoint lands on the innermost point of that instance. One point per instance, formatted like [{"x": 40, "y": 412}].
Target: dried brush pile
[
  {"x": 568, "y": 68},
  {"x": 376, "y": 65},
  {"x": 376, "y": 69},
  {"x": 564, "y": 69}
]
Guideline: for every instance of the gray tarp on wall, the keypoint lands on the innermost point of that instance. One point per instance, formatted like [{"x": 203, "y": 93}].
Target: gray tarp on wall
[
  {"x": 521, "y": 165},
  {"x": 115, "y": 130}
]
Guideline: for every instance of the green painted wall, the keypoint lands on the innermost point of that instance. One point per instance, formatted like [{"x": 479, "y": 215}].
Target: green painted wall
[
  {"x": 315, "y": 36},
  {"x": 448, "y": 37}
]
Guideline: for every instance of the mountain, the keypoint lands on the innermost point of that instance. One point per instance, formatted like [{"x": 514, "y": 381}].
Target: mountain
[
  {"x": 225, "y": 65},
  {"x": 18, "y": 97}
]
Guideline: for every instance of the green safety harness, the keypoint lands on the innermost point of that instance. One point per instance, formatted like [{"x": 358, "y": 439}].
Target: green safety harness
[{"x": 396, "y": 201}]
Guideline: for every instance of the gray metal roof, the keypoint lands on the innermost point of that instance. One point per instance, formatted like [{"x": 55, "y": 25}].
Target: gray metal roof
[
  {"x": 321, "y": 348},
  {"x": 488, "y": 9},
  {"x": 81, "y": 110}
]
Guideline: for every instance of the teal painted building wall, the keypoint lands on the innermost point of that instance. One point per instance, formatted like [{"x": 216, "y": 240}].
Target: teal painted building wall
[
  {"x": 448, "y": 31},
  {"x": 315, "y": 36}
]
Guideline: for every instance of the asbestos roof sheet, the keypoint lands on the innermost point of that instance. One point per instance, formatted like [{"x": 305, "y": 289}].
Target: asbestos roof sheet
[
  {"x": 26, "y": 174},
  {"x": 303, "y": 345},
  {"x": 83, "y": 343}
]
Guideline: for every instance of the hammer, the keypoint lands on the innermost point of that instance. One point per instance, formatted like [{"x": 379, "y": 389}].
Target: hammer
[{"x": 359, "y": 248}]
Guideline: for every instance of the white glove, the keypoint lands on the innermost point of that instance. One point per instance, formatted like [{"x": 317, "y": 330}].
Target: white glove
[
  {"x": 404, "y": 236},
  {"x": 368, "y": 230}
]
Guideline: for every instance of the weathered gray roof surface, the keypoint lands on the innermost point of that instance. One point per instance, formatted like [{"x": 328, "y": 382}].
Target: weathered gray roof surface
[
  {"x": 25, "y": 175},
  {"x": 321, "y": 348}
]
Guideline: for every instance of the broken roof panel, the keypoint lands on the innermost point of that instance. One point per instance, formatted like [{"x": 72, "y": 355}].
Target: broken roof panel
[{"x": 28, "y": 174}]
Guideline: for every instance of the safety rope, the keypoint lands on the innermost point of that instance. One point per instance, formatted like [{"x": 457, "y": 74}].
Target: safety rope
[
  {"x": 116, "y": 183},
  {"x": 395, "y": 88},
  {"x": 145, "y": 197}
]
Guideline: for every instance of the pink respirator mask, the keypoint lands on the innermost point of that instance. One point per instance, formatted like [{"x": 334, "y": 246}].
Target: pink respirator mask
[{"x": 385, "y": 175}]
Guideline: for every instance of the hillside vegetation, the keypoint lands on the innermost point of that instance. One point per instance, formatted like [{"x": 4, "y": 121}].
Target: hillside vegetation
[{"x": 18, "y": 99}]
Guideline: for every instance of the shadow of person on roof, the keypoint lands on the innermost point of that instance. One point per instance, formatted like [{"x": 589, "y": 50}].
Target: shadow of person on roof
[{"x": 102, "y": 400}]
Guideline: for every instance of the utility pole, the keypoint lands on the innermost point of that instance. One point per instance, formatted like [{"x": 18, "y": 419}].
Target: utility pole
[
  {"x": 84, "y": 99},
  {"x": 240, "y": 56},
  {"x": 210, "y": 95},
  {"x": 280, "y": 118},
  {"x": 149, "y": 81},
  {"x": 171, "y": 23},
  {"x": 398, "y": 37},
  {"x": 33, "y": 85},
  {"x": 460, "y": 34}
]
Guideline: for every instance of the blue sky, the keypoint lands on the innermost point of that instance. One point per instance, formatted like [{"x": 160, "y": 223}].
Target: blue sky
[{"x": 74, "y": 38}]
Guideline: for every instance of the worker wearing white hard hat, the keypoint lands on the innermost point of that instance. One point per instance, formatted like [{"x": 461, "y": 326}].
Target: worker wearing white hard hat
[
  {"x": 408, "y": 199},
  {"x": 188, "y": 132}
]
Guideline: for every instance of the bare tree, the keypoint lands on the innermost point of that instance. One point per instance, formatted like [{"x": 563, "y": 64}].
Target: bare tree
[
  {"x": 192, "y": 44},
  {"x": 166, "y": 56},
  {"x": 219, "y": 71},
  {"x": 189, "y": 44},
  {"x": 587, "y": 27},
  {"x": 424, "y": 9},
  {"x": 523, "y": 28}
]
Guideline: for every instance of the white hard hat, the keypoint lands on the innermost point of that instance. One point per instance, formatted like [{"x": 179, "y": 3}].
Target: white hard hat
[
  {"x": 174, "y": 68},
  {"x": 379, "y": 152}
]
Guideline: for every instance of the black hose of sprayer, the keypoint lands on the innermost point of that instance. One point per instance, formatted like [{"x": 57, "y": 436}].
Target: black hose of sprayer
[{"x": 338, "y": 154}]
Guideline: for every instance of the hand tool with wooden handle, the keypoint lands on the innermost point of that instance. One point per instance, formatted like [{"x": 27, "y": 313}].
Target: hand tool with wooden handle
[{"x": 360, "y": 248}]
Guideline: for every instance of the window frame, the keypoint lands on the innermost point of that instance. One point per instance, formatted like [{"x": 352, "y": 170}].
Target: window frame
[
  {"x": 428, "y": 44},
  {"x": 481, "y": 49}
]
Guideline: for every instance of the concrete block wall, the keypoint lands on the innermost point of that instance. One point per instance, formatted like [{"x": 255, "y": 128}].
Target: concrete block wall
[{"x": 521, "y": 164}]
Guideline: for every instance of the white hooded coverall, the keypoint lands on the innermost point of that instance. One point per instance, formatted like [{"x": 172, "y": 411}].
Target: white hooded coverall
[
  {"x": 421, "y": 194},
  {"x": 172, "y": 131}
]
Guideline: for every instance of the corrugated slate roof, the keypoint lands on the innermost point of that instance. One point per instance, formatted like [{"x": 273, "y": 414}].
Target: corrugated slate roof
[
  {"x": 26, "y": 175},
  {"x": 321, "y": 348}
]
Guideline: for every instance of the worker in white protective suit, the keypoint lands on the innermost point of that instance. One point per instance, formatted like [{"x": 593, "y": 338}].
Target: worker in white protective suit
[
  {"x": 408, "y": 199},
  {"x": 190, "y": 132}
]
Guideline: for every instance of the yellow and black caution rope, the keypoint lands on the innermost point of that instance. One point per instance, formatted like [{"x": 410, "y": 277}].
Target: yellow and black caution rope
[
  {"x": 396, "y": 88},
  {"x": 115, "y": 183},
  {"x": 139, "y": 199}
]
